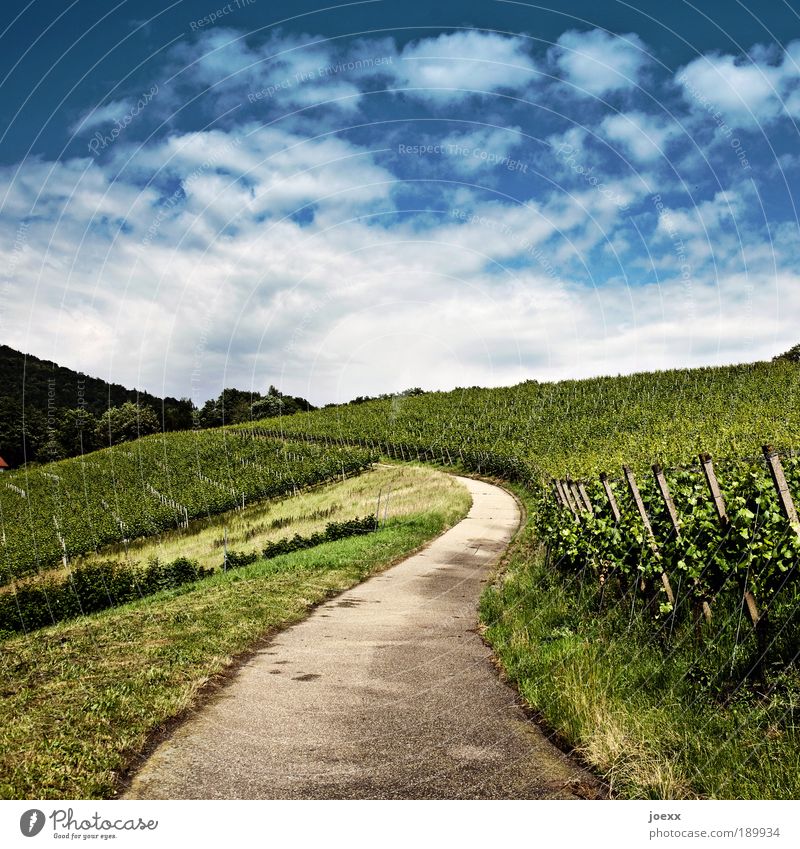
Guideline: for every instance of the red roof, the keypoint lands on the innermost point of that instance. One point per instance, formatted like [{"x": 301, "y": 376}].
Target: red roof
[{"x": 3, "y": 464}]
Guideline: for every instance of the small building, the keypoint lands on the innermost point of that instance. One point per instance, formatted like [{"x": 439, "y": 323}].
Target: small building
[{"x": 3, "y": 465}]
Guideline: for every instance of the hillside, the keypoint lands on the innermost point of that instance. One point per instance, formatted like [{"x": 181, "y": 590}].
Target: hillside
[
  {"x": 49, "y": 412},
  {"x": 582, "y": 427},
  {"x": 39, "y": 382},
  {"x": 47, "y": 390},
  {"x": 649, "y": 619}
]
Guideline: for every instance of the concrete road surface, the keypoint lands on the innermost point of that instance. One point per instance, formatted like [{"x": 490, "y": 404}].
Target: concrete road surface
[{"x": 384, "y": 692}]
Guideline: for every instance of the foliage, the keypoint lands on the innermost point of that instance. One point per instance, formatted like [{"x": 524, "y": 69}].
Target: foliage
[
  {"x": 124, "y": 424},
  {"x": 333, "y": 531},
  {"x": 142, "y": 488},
  {"x": 81, "y": 698},
  {"x": 233, "y": 406},
  {"x": 48, "y": 391},
  {"x": 88, "y": 589},
  {"x": 792, "y": 355},
  {"x": 535, "y": 431},
  {"x": 756, "y": 551}
]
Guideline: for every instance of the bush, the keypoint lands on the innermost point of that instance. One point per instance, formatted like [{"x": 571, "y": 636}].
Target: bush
[
  {"x": 333, "y": 531},
  {"x": 90, "y": 588}
]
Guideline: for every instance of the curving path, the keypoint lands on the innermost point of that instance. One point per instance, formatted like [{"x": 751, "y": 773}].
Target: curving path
[{"x": 386, "y": 691}]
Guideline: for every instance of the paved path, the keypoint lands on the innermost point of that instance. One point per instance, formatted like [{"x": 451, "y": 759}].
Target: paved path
[{"x": 386, "y": 691}]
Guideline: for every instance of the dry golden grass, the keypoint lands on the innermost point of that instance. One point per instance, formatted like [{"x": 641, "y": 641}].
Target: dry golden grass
[
  {"x": 404, "y": 490},
  {"x": 79, "y": 700}
]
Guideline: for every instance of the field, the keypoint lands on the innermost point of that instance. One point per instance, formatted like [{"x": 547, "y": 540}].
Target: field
[
  {"x": 664, "y": 651},
  {"x": 703, "y": 596},
  {"x": 139, "y": 489},
  {"x": 578, "y": 427},
  {"x": 81, "y": 699}
]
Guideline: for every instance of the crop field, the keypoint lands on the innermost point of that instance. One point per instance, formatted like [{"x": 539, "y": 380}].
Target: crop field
[
  {"x": 577, "y": 427},
  {"x": 668, "y": 595},
  {"x": 81, "y": 698},
  {"x": 143, "y": 488}
]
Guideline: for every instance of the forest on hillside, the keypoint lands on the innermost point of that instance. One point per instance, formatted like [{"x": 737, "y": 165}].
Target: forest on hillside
[{"x": 49, "y": 412}]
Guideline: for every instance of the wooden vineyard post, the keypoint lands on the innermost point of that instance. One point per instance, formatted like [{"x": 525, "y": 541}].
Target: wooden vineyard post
[
  {"x": 585, "y": 497},
  {"x": 573, "y": 491},
  {"x": 722, "y": 517},
  {"x": 576, "y": 497},
  {"x": 568, "y": 497},
  {"x": 612, "y": 502},
  {"x": 752, "y": 608},
  {"x": 663, "y": 488},
  {"x": 713, "y": 487},
  {"x": 781, "y": 487},
  {"x": 637, "y": 498}
]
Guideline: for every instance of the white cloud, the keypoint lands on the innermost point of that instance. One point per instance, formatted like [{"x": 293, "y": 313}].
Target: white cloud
[
  {"x": 598, "y": 62},
  {"x": 102, "y": 115},
  {"x": 451, "y": 66},
  {"x": 642, "y": 137},
  {"x": 283, "y": 74},
  {"x": 184, "y": 263},
  {"x": 744, "y": 90}
]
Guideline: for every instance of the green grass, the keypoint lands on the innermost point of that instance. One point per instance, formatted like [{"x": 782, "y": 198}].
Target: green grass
[
  {"x": 647, "y": 716},
  {"x": 79, "y": 701},
  {"x": 411, "y": 489}
]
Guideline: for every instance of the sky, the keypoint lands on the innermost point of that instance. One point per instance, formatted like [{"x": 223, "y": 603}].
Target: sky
[{"x": 359, "y": 198}]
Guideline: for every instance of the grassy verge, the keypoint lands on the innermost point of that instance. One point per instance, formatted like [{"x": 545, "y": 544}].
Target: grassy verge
[
  {"x": 644, "y": 713},
  {"x": 405, "y": 490},
  {"x": 79, "y": 701}
]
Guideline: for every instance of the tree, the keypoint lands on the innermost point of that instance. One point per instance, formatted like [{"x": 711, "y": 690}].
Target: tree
[
  {"x": 232, "y": 407},
  {"x": 266, "y": 408},
  {"x": 21, "y": 437},
  {"x": 177, "y": 414},
  {"x": 77, "y": 432},
  {"x": 124, "y": 423},
  {"x": 792, "y": 355}
]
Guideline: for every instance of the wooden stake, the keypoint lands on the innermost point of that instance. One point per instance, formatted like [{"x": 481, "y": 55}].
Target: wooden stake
[
  {"x": 668, "y": 588},
  {"x": 781, "y": 487},
  {"x": 637, "y": 498},
  {"x": 568, "y": 495},
  {"x": 585, "y": 497},
  {"x": 612, "y": 502},
  {"x": 716, "y": 492},
  {"x": 752, "y": 607},
  {"x": 646, "y": 521},
  {"x": 665, "y": 494},
  {"x": 576, "y": 495}
]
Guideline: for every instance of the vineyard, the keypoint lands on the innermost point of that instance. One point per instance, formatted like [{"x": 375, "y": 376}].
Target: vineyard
[
  {"x": 535, "y": 431},
  {"x": 665, "y": 538},
  {"x": 60, "y": 510},
  {"x": 688, "y": 541}
]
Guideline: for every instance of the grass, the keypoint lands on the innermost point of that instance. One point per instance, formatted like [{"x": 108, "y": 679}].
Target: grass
[
  {"x": 79, "y": 701},
  {"x": 651, "y": 718},
  {"x": 410, "y": 489}
]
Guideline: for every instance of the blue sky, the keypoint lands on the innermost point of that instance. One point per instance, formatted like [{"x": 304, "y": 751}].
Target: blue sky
[{"x": 378, "y": 195}]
